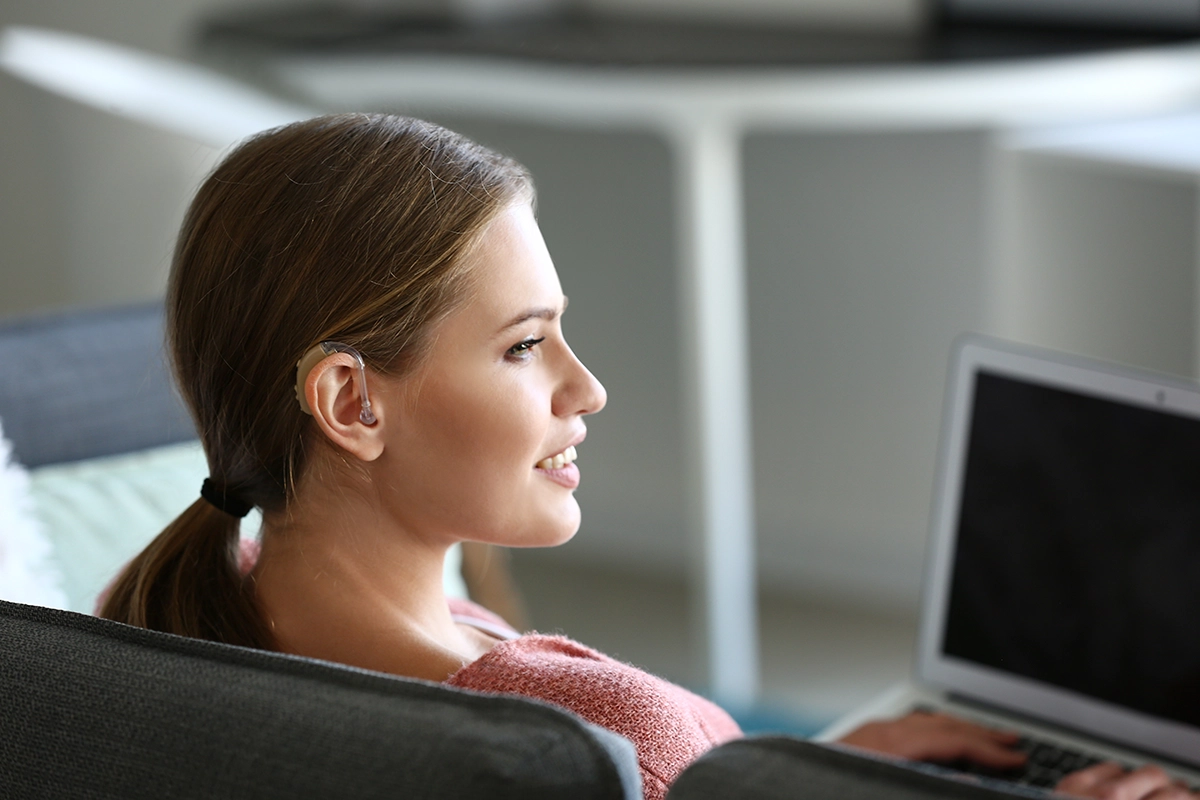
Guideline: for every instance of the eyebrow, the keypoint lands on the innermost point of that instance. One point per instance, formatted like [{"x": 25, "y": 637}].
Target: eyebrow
[{"x": 535, "y": 313}]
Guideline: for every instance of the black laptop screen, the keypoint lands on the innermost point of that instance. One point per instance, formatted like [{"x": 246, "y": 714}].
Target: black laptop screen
[{"x": 1078, "y": 551}]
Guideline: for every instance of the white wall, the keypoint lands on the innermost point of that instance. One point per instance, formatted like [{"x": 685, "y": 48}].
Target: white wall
[
  {"x": 161, "y": 26},
  {"x": 89, "y": 203},
  {"x": 866, "y": 259},
  {"x": 1099, "y": 259}
]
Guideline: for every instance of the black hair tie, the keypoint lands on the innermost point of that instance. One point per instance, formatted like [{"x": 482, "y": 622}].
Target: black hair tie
[{"x": 224, "y": 500}]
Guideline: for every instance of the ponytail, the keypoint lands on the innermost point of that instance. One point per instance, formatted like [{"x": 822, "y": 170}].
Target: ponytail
[{"x": 187, "y": 582}]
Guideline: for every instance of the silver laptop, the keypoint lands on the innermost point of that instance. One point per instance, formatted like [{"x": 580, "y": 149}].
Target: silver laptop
[{"x": 1062, "y": 587}]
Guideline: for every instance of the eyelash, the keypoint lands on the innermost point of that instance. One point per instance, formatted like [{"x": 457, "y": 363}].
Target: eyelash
[{"x": 522, "y": 349}]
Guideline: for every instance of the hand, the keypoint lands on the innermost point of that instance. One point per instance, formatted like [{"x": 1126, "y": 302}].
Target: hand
[
  {"x": 1109, "y": 781},
  {"x": 924, "y": 736}
]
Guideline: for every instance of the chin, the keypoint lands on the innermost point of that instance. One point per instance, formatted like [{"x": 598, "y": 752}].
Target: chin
[
  {"x": 543, "y": 540},
  {"x": 561, "y": 531},
  {"x": 566, "y": 537}
]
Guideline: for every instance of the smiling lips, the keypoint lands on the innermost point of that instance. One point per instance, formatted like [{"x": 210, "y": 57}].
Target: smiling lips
[{"x": 559, "y": 461}]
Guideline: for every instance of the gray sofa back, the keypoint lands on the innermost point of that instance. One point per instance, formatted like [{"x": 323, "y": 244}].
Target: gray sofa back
[
  {"x": 92, "y": 708},
  {"x": 83, "y": 384}
]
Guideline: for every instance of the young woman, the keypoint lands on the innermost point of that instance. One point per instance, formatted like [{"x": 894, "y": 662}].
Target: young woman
[{"x": 366, "y": 325}]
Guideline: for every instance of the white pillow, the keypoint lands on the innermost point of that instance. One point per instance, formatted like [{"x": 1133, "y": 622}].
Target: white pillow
[
  {"x": 27, "y": 573},
  {"x": 100, "y": 513}
]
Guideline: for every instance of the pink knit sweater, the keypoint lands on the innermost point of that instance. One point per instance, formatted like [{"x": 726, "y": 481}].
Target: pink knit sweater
[{"x": 669, "y": 726}]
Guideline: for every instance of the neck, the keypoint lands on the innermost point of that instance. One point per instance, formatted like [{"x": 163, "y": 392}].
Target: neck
[{"x": 340, "y": 581}]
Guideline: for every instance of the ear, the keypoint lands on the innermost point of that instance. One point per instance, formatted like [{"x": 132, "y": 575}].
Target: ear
[{"x": 333, "y": 396}]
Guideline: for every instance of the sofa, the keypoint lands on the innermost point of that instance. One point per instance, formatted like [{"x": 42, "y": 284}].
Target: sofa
[{"x": 93, "y": 708}]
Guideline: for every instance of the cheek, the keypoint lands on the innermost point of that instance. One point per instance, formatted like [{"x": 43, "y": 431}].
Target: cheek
[
  {"x": 478, "y": 442},
  {"x": 463, "y": 463},
  {"x": 493, "y": 429}
]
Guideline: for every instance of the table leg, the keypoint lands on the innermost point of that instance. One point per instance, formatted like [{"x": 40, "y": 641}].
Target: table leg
[{"x": 716, "y": 386}]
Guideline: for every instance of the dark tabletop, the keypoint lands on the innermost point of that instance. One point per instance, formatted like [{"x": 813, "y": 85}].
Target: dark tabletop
[{"x": 589, "y": 39}]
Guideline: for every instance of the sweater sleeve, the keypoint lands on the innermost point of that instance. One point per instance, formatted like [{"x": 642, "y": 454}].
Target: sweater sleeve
[{"x": 668, "y": 725}]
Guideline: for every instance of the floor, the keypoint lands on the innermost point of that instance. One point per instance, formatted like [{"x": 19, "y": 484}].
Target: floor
[{"x": 818, "y": 660}]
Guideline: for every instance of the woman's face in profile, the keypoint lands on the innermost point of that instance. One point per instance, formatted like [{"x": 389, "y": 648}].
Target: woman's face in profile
[{"x": 472, "y": 438}]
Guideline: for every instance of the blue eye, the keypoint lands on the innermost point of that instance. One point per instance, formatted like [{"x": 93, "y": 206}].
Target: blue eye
[{"x": 523, "y": 348}]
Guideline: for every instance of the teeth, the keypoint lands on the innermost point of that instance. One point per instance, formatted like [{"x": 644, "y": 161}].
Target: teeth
[{"x": 559, "y": 461}]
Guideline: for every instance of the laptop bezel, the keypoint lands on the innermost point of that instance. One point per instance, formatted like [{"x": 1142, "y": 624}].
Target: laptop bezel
[{"x": 934, "y": 668}]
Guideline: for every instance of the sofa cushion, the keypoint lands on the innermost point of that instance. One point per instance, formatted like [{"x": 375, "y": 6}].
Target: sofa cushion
[{"x": 93, "y": 708}]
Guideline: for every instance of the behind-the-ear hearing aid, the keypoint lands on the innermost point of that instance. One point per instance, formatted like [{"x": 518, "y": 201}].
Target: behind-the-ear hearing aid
[{"x": 315, "y": 356}]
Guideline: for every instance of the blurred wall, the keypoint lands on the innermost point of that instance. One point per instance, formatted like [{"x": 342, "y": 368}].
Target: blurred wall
[{"x": 89, "y": 203}]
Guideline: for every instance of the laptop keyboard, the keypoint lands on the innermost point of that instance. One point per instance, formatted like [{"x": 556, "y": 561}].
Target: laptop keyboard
[
  {"x": 1047, "y": 763},
  {"x": 1046, "y": 766}
]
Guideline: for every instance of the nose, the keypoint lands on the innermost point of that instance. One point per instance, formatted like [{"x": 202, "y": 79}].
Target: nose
[{"x": 580, "y": 393}]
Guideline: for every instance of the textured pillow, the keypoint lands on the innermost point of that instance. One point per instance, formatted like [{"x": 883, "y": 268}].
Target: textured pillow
[
  {"x": 101, "y": 512},
  {"x": 27, "y": 574}
]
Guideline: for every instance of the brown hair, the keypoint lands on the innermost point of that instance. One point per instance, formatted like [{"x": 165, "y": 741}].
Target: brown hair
[{"x": 348, "y": 227}]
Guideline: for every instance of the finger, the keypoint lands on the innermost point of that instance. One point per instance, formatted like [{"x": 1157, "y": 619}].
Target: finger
[
  {"x": 980, "y": 744},
  {"x": 1139, "y": 784},
  {"x": 995, "y": 734},
  {"x": 953, "y": 745},
  {"x": 990, "y": 753},
  {"x": 966, "y": 728},
  {"x": 1176, "y": 791},
  {"x": 1086, "y": 779},
  {"x": 937, "y": 737},
  {"x": 960, "y": 723},
  {"x": 1002, "y": 737}
]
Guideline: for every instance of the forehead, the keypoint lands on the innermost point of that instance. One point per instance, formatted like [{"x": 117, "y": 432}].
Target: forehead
[{"x": 511, "y": 269}]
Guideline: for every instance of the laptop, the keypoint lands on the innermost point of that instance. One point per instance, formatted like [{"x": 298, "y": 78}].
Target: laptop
[{"x": 1062, "y": 586}]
